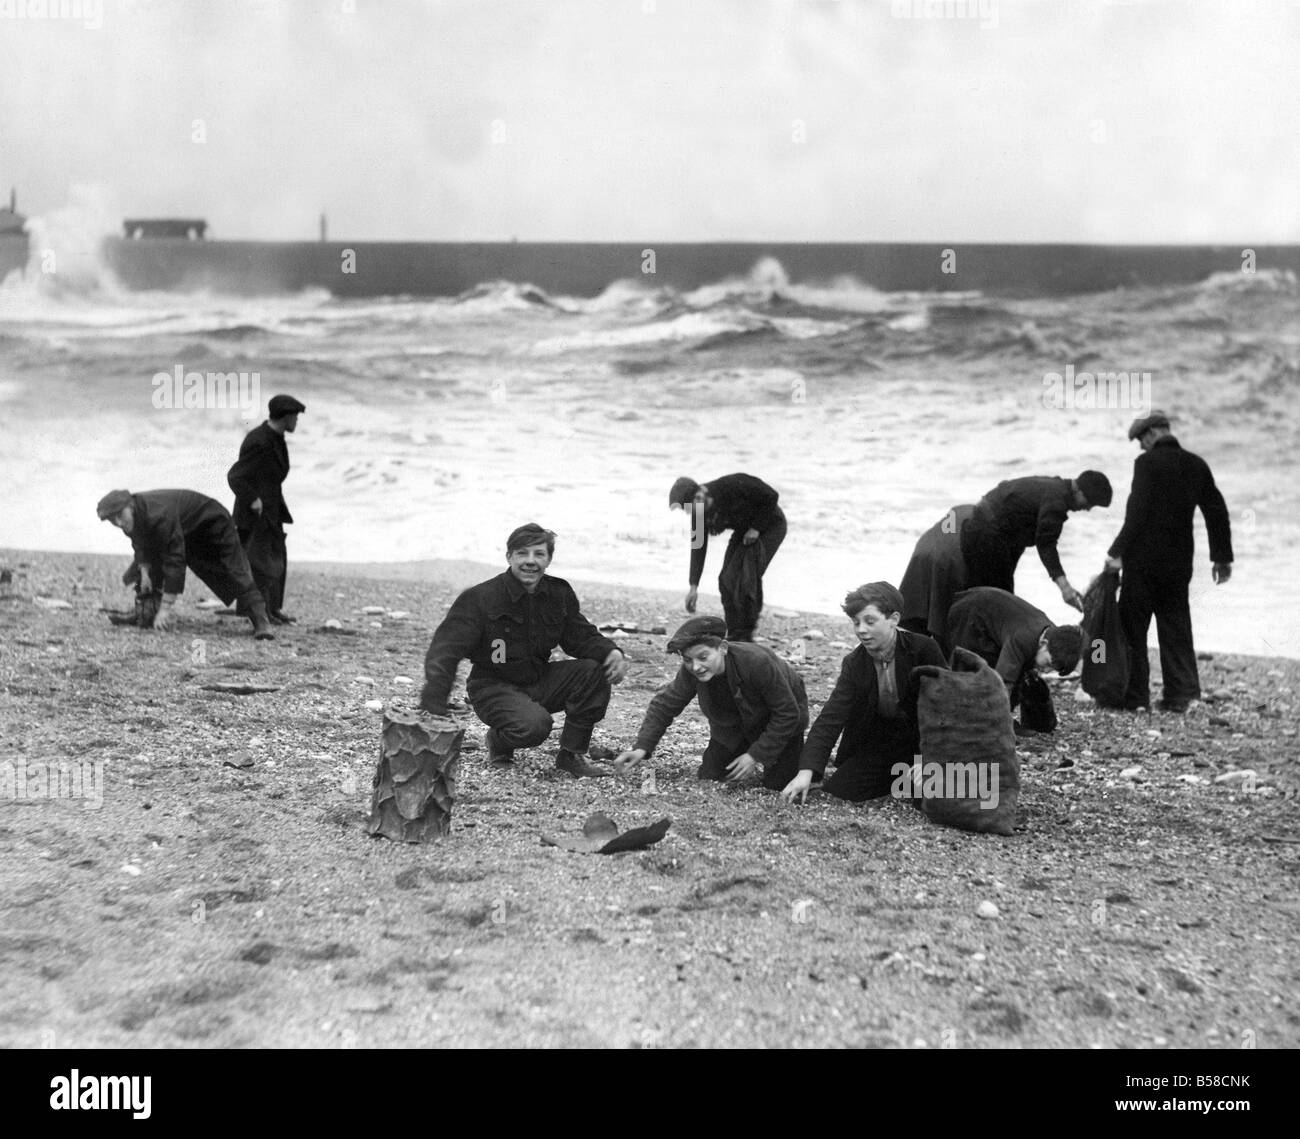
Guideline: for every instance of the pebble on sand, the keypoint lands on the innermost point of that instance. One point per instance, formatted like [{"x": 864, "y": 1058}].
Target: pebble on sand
[
  {"x": 987, "y": 910},
  {"x": 814, "y": 635},
  {"x": 373, "y": 610},
  {"x": 403, "y": 680},
  {"x": 1130, "y": 773},
  {"x": 333, "y": 623},
  {"x": 1236, "y": 776},
  {"x": 53, "y": 603},
  {"x": 375, "y": 705}
]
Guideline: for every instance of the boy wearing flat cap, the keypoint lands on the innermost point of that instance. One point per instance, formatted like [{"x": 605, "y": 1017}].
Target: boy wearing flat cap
[
  {"x": 1154, "y": 552},
  {"x": 754, "y": 701},
  {"x": 260, "y": 512},
  {"x": 508, "y": 626}
]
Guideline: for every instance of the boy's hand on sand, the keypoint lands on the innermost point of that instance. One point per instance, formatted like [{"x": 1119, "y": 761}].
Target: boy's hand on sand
[
  {"x": 751, "y": 536},
  {"x": 1221, "y": 572},
  {"x": 162, "y": 619},
  {"x": 256, "y": 506},
  {"x": 691, "y": 598},
  {"x": 625, "y": 761},
  {"x": 741, "y": 767},
  {"x": 797, "y": 788},
  {"x": 615, "y": 666}
]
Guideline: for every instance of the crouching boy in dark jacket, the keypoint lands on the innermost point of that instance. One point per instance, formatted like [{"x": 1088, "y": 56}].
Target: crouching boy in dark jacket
[{"x": 755, "y": 703}]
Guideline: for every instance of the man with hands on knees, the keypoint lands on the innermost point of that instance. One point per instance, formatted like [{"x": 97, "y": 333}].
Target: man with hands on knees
[
  {"x": 508, "y": 626},
  {"x": 754, "y": 701}
]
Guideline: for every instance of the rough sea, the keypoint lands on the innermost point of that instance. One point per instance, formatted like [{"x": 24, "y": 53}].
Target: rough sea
[{"x": 435, "y": 426}]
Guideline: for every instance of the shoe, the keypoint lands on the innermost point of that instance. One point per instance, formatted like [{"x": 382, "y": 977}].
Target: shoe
[
  {"x": 1177, "y": 707},
  {"x": 577, "y": 766},
  {"x": 498, "y": 754},
  {"x": 717, "y": 774},
  {"x": 261, "y": 623},
  {"x": 279, "y": 617}
]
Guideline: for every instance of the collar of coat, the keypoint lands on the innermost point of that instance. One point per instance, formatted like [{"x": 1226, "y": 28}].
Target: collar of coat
[{"x": 515, "y": 588}]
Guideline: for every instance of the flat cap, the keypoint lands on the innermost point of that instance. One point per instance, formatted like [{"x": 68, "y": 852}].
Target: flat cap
[
  {"x": 284, "y": 405},
  {"x": 692, "y": 632},
  {"x": 1143, "y": 422},
  {"x": 112, "y": 502}
]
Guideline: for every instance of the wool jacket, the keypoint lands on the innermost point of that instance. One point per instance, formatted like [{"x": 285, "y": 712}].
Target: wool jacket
[
  {"x": 1027, "y": 512},
  {"x": 999, "y": 627},
  {"x": 259, "y": 472},
  {"x": 769, "y": 696},
  {"x": 852, "y": 709},
  {"x": 508, "y": 634},
  {"x": 167, "y": 523},
  {"x": 1169, "y": 483},
  {"x": 740, "y": 502}
]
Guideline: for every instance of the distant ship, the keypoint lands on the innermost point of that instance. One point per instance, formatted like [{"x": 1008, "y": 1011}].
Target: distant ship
[{"x": 13, "y": 238}]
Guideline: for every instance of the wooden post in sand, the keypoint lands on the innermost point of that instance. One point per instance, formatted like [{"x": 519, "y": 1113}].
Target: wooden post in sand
[{"x": 415, "y": 779}]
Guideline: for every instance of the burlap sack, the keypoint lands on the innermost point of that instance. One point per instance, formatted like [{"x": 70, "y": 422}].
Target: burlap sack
[{"x": 968, "y": 743}]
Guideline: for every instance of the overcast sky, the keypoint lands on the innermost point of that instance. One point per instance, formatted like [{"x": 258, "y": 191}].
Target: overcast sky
[{"x": 837, "y": 120}]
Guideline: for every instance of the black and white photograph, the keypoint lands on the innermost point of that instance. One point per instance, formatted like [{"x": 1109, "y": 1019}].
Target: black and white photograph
[{"x": 651, "y": 524}]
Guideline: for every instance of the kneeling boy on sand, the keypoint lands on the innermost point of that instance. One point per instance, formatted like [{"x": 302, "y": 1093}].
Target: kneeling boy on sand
[
  {"x": 754, "y": 701},
  {"x": 873, "y": 704}
]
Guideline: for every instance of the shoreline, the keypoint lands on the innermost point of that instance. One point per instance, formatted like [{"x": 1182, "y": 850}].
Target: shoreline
[{"x": 460, "y": 573}]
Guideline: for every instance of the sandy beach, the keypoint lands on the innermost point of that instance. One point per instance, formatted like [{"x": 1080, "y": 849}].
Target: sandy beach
[{"x": 220, "y": 889}]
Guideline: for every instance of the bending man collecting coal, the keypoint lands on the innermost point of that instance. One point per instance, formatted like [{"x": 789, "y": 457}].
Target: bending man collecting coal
[
  {"x": 174, "y": 529},
  {"x": 508, "y": 626},
  {"x": 754, "y": 701}
]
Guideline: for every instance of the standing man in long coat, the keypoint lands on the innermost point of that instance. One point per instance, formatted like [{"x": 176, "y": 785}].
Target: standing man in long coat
[
  {"x": 747, "y": 507},
  {"x": 1154, "y": 552},
  {"x": 260, "y": 512}
]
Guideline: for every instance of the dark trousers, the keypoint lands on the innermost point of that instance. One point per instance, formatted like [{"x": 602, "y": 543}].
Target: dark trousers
[
  {"x": 268, "y": 559},
  {"x": 215, "y": 556},
  {"x": 866, "y": 761},
  {"x": 741, "y": 579},
  {"x": 989, "y": 560},
  {"x": 719, "y": 753},
  {"x": 1145, "y": 594},
  {"x": 522, "y": 716}
]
